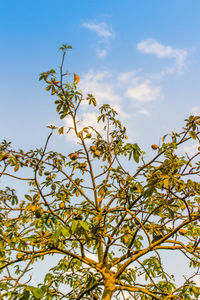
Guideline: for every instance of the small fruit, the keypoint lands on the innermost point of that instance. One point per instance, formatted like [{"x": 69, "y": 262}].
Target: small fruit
[
  {"x": 73, "y": 156},
  {"x": 88, "y": 135},
  {"x": 19, "y": 255},
  {"x": 62, "y": 205},
  {"x": 53, "y": 186},
  {"x": 182, "y": 231},
  {"x": 93, "y": 148},
  {"x": 154, "y": 146}
]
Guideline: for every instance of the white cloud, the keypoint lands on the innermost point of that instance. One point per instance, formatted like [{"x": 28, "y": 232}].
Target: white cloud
[
  {"x": 101, "y": 52},
  {"x": 105, "y": 34},
  {"x": 101, "y": 86},
  {"x": 126, "y": 92},
  {"x": 123, "y": 114},
  {"x": 195, "y": 110},
  {"x": 144, "y": 92},
  {"x": 144, "y": 112},
  {"x": 86, "y": 119},
  {"x": 189, "y": 149},
  {"x": 101, "y": 29},
  {"x": 121, "y": 91},
  {"x": 127, "y": 76},
  {"x": 151, "y": 46}
]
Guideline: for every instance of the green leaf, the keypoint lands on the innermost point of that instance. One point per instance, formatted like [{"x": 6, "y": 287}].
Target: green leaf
[
  {"x": 38, "y": 293},
  {"x": 74, "y": 226},
  {"x": 65, "y": 232},
  {"x": 28, "y": 197},
  {"x": 196, "y": 291},
  {"x": 84, "y": 225},
  {"x": 171, "y": 212},
  {"x": 193, "y": 135},
  {"x": 25, "y": 295},
  {"x": 136, "y": 156},
  {"x": 53, "y": 90}
]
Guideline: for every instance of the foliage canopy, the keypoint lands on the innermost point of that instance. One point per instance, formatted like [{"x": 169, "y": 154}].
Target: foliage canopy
[{"x": 109, "y": 225}]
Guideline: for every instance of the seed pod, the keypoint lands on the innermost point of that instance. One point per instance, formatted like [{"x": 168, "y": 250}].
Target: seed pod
[
  {"x": 93, "y": 148},
  {"x": 73, "y": 156},
  {"x": 154, "y": 146},
  {"x": 62, "y": 205},
  {"x": 19, "y": 255}
]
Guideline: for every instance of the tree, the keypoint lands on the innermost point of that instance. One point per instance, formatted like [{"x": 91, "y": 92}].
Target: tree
[{"x": 109, "y": 224}]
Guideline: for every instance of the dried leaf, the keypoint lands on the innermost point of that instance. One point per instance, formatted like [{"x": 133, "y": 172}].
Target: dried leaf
[{"x": 76, "y": 78}]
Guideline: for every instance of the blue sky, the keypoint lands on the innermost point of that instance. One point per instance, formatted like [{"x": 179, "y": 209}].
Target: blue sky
[{"x": 142, "y": 57}]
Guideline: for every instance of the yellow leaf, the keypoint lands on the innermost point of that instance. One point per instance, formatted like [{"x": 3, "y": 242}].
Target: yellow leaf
[
  {"x": 19, "y": 255},
  {"x": 53, "y": 90},
  {"x": 100, "y": 199},
  {"x": 76, "y": 78},
  {"x": 33, "y": 207},
  {"x": 48, "y": 87},
  {"x": 61, "y": 130},
  {"x": 16, "y": 168},
  {"x": 96, "y": 153},
  {"x": 101, "y": 191},
  {"x": 166, "y": 182}
]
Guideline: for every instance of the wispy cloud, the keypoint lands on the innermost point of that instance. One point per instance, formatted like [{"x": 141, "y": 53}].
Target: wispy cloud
[
  {"x": 101, "y": 52},
  {"x": 144, "y": 112},
  {"x": 195, "y": 110},
  {"x": 100, "y": 84},
  {"x": 129, "y": 93},
  {"x": 121, "y": 90},
  {"x": 152, "y": 46},
  {"x": 101, "y": 29},
  {"x": 85, "y": 119},
  {"x": 144, "y": 92},
  {"x": 105, "y": 34},
  {"x": 189, "y": 149}
]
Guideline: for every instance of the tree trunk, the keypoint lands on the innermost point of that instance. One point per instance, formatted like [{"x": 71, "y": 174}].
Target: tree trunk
[
  {"x": 107, "y": 294},
  {"x": 108, "y": 289}
]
